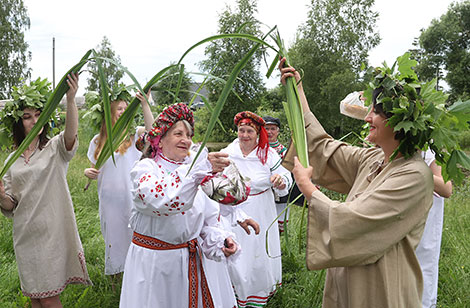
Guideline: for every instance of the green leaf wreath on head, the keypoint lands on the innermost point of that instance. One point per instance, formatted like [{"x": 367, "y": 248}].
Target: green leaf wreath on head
[
  {"x": 94, "y": 103},
  {"x": 417, "y": 112},
  {"x": 33, "y": 95}
]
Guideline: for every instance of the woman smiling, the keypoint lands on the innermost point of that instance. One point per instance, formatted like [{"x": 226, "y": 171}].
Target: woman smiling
[
  {"x": 257, "y": 274},
  {"x": 368, "y": 242},
  {"x": 173, "y": 221}
]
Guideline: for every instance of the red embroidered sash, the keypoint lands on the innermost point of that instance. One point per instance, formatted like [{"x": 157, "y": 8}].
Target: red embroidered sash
[
  {"x": 156, "y": 244},
  {"x": 259, "y": 193}
]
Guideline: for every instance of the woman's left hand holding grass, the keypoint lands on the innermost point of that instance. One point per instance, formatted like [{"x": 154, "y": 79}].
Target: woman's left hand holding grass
[{"x": 302, "y": 177}]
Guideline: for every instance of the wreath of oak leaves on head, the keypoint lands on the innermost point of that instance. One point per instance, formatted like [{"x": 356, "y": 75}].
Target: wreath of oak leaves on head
[{"x": 33, "y": 95}]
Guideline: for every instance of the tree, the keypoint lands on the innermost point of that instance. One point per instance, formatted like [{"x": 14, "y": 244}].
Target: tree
[
  {"x": 112, "y": 73},
  {"x": 164, "y": 90},
  {"x": 331, "y": 48},
  {"x": 445, "y": 45},
  {"x": 14, "y": 54},
  {"x": 223, "y": 55}
]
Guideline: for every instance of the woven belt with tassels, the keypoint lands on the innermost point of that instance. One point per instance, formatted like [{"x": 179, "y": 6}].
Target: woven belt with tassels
[{"x": 156, "y": 244}]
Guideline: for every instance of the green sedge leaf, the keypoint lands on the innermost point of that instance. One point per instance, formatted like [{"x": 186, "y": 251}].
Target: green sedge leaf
[
  {"x": 50, "y": 106},
  {"x": 106, "y": 106}
]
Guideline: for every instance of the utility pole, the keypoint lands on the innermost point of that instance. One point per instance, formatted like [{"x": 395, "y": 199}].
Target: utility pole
[{"x": 53, "y": 63}]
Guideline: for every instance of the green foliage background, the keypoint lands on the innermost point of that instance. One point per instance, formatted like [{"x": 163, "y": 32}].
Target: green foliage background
[
  {"x": 223, "y": 55},
  {"x": 331, "y": 49},
  {"x": 14, "y": 54},
  {"x": 113, "y": 74},
  {"x": 443, "y": 49}
]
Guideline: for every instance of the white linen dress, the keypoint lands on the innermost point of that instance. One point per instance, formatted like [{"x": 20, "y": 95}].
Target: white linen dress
[
  {"x": 255, "y": 275},
  {"x": 168, "y": 206},
  {"x": 429, "y": 247},
  {"x": 115, "y": 203}
]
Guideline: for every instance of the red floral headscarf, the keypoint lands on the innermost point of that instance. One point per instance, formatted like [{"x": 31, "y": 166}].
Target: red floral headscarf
[
  {"x": 165, "y": 120},
  {"x": 252, "y": 119}
]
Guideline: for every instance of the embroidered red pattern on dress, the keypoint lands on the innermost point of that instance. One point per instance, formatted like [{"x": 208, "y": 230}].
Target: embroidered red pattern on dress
[
  {"x": 153, "y": 243},
  {"x": 71, "y": 280}
]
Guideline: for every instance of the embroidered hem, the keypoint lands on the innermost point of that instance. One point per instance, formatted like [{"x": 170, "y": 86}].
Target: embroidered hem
[
  {"x": 257, "y": 301},
  {"x": 71, "y": 280}
]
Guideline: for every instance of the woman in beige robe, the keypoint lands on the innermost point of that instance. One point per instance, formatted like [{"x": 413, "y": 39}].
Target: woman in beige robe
[{"x": 368, "y": 242}]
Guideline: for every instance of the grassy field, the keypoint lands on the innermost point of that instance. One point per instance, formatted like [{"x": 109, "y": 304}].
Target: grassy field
[{"x": 301, "y": 288}]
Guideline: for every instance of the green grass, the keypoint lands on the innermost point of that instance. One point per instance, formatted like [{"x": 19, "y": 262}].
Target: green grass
[{"x": 301, "y": 288}]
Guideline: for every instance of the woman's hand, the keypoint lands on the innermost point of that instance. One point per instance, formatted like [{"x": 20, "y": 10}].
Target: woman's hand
[
  {"x": 3, "y": 195},
  {"x": 230, "y": 247},
  {"x": 5, "y": 202},
  {"x": 71, "y": 116},
  {"x": 277, "y": 181},
  {"x": 142, "y": 99},
  {"x": 288, "y": 71},
  {"x": 72, "y": 82},
  {"x": 92, "y": 173},
  {"x": 148, "y": 115},
  {"x": 302, "y": 177},
  {"x": 218, "y": 161},
  {"x": 247, "y": 223}
]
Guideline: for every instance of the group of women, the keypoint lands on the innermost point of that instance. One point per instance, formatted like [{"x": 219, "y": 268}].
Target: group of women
[
  {"x": 179, "y": 248},
  {"x": 176, "y": 246}
]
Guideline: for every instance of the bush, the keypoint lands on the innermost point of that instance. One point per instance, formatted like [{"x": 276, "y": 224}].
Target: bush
[{"x": 465, "y": 140}]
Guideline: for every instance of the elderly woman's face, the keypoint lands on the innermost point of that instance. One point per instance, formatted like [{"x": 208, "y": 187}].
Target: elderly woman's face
[
  {"x": 379, "y": 132},
  {"x": 247, "y": 136},
  {"x": 176, "y": 142}
]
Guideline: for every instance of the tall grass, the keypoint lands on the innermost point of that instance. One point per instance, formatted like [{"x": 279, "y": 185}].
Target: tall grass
[
  {"x": 454, "y": 264},
  {"x": 301, "y": 288}
]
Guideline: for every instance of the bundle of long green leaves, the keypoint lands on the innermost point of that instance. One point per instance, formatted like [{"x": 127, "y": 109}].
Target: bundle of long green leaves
[
  {"x": 33, "y": 95},
  {"x": 94, "y": 103},
  {"x": 418, "y": 114}
]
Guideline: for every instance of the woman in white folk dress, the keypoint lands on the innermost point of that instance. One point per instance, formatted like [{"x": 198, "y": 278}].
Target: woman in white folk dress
[
  {"x": 165, "y": 264},
  {"x": 429, "y": 247},
  {"x": 255, "y": 274},
  {"x": 114, "y": 186}
]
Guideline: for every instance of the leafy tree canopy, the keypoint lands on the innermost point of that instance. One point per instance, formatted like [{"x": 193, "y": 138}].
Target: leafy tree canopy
[
  {"x": 112, "y": 72},
  {"x": 446, "y": 45},
  {"x": 223, "y": 55},
  {"x": 331, "y": 48},
  {"x": 164, "y": 91},
  {"x": 14, "y": 54}
]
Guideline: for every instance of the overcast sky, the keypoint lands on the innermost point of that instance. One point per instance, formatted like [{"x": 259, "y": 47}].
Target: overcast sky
[{"x": 149, "y": 35}]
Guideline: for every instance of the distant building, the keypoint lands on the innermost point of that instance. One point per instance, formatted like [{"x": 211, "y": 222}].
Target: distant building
[
  {"x": 79, "y": 100},
  {"x": 198, "y": 102}
]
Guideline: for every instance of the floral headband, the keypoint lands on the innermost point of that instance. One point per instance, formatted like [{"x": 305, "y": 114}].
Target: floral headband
[
  {"x": 249, "y": 118},
  {"x": 257, "y": 122},
  {"x": 165, "y": 120}
]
